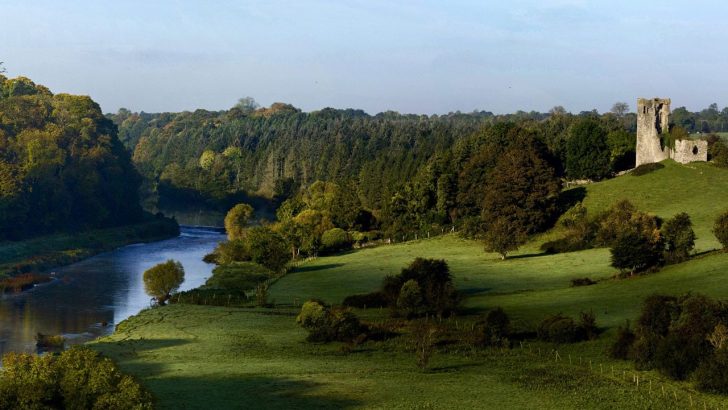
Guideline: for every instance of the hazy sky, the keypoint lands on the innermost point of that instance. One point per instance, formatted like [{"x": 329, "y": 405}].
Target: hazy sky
[{"x": 409, "y": 56}]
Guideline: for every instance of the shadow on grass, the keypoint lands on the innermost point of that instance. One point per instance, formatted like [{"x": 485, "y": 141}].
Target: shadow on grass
[
  {"x": 175, "y": 385},
  {"x": 303, "y": 269},
  {"x": 528, "y": 255}
]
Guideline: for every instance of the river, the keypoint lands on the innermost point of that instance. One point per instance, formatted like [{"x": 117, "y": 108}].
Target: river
[{"x": 89, "y": 297}]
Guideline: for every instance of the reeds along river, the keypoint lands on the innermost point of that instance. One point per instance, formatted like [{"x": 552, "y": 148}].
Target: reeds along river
[{"x": 87, "y": 299}]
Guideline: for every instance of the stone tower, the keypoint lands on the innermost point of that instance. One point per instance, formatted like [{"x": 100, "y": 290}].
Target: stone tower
[{"x": 653, "y": 119}]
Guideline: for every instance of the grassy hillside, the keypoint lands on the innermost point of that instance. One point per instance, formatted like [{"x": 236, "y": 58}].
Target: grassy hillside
[
  {"x": 201, "y": 355},
  {"x": 700, "y": 189}
]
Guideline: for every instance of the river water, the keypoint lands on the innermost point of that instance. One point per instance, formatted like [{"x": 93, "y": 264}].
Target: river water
[{"x": 89, "y": 297}]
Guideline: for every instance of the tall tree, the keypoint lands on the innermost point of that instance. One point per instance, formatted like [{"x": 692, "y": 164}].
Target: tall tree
[{"x": 587, "y": 153}]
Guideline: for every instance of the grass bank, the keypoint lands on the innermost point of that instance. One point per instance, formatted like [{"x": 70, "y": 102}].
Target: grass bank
[{"x": 46, "y": 252}]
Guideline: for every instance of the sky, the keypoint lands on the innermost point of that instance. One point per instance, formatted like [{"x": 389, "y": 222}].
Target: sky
[{"x": 424, "y": 57}]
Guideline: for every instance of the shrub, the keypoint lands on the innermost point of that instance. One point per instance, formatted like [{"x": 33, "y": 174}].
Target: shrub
[
  {"x": 645, "y": 169},
  {"x": 563, "y": 329},
  {"x": 267, "y": 248},
  {"x": 49, "y": 341},
  {"x": 582, "y": 282},
  {"x": 712, "y": 374},
  {"x": 679, "y": 238},
  {"x": 334, "y": 240},
  {"x": 720, "y": 229},
  {"x": 424, "y": 339},
  {"x": 229, "y": 251},
  {"x": 622, "y": 345},
  {"x": 496, "y": 327},
  {"x": 558, "y": 329},
  {"x": 435, "y": 283},
  {"x": 237, "y": 276},
  {"x": 326, "y": 324},
  {"x": 78, "y": 378},
  {"x": 261, "y": 294},
  {"x": 633, "y": 252},
  {"x": 366, "y": 300},
  {"x": 409, "y": 301}
]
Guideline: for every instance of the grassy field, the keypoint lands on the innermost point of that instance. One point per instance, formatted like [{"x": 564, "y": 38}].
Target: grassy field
[{"x": 213, "y": 357}]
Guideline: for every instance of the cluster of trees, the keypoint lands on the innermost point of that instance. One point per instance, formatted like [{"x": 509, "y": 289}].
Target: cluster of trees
[
  {"x": 62, "y": 166},
  {"x": 390, "y": 161},
  {"x": 638, "y": 241},
  {"x": 78, "y": 378},
  {"x": 682, "y": 337}
]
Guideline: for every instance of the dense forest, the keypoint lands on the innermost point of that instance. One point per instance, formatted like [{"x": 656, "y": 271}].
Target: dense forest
[{"x": 62, "y": 166}]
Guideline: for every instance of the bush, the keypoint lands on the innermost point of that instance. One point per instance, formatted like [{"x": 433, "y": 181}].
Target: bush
[
  {"x": 228, "y": 252},
  {"x": 622, "y": 345},
  {"x": 563, "y": 329},
  {"x": 78, "y": 378},
  {"x": 634, "y": 253},
  {"x": 327, "y": 324},
  {"x": 558, "y": 329},
  {"x": 49, "y": 341},
  {"x": 366, "y": 300},
  {"x": 496, "y": 328},
  {"x": 409, "y": 301},
  {"x": 645, "y": 169},
  {"x": 435, "y": 283},
  {"x": 238, "y": 276},
  {"x": 712, "y": 374},
  {"x": 582, "y": 282},
  {"x": 334, "y": 240},
  {"x": 424, "y": 338},
  {"x": 720, "y": 229}
]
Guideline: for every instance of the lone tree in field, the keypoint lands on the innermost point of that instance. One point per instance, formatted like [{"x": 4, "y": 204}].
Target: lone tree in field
[
  {"x": 679, "y": 238},
  {"x": 163, "y": 279},
  {"x": 720, "y": 229},
  {"x": 237, "y": 220},
  {"x": 503, "y": 237}
]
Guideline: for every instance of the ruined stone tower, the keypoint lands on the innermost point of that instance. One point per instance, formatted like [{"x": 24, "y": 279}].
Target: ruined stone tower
[{"x": 653, "y": 119}]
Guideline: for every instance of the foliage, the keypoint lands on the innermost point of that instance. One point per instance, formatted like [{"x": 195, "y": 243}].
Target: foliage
[
  {"x": 268, "y": 248},
  {"x": 587, "y": 154},
  {"x": 62, "y": 167},
  {"x": 335, "y": 239},
  {"x": 237, "y": 220},
  {"x": 582, "y": 282},
  {"x": 409, "y": 301},
  {"x": 327, "y": 324},
  {"x": 634, "y": 253},
  {"x": 424, "y": 337},
  {"x": 78, "y": 378},
  {"x": 645, "y": 169},
  {"x": 720, "y": 229},
  {"x": 496, "y": 327},
  {"x": 435, "y": 285},
  {"x": 161, "y": 280},
  {"x": 503, "y": 236},
  {"x": 563, "y": 329},
  {"x": 679, "y": 238},
  {"x": 620, "y": 348},
  {"x": 366, "y": 300},
  {"x": 238, "y": 276},
  {"x": 261, "y": 294}
]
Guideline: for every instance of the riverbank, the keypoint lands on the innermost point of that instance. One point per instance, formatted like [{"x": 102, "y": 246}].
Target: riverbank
[{"x": 34, "y": 257}]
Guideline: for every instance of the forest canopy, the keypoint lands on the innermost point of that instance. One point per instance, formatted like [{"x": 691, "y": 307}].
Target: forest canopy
[{"x": 62, "y": 166}]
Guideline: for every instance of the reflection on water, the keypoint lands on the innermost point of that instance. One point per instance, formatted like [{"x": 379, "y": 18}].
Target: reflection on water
[{"x": 90, "y": 297}]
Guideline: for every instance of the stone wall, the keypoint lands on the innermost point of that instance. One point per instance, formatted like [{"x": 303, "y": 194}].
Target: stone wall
[{"x": 690, "y": 151}]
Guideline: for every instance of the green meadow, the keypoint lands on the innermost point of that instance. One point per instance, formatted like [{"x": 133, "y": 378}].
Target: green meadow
[{"x": 217, "y": 357}]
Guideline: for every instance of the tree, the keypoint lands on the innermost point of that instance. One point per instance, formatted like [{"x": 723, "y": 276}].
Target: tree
[
  {"x": 587, "y": 153},
  {"x": 502, "y": 236},
  {"x": 720, "y": 229},
  {"x": 620, "y": 109},
  {"x": 247, "y": 105},
  {"x": 634, "y": 253},
  {"x": 237, "y": 219},
  {"x": 267, "y": 248},
  {"x": 163, "y": 279},
  {"x": 679, "y": 238},
  {"x": 521, "y": 191}
]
